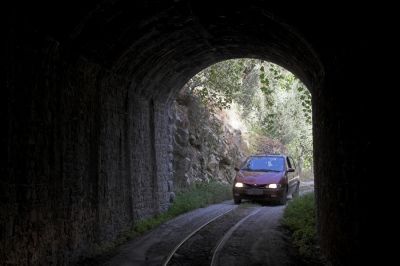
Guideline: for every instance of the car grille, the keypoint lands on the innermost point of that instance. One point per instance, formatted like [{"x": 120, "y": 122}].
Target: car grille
[{"x": 253, "y": 186}]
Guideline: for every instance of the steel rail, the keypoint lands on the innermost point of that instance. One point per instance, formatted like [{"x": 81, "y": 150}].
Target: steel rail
[
  {"x": 191, "y": 234},
  {"x": 227, "y": 235}
]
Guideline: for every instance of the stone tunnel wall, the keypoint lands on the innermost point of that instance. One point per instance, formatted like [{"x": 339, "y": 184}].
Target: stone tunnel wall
[{"x": 87, "y": 157}]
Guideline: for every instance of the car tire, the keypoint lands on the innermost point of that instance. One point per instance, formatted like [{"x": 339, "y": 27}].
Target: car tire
[
  {"x": 237, "y": 200},
  {"x": 283, "y": 199},
  {"x": 296, "y": 191}
]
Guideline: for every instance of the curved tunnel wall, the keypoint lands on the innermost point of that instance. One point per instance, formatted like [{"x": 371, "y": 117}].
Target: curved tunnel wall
[{"x": 88, "y": 140}]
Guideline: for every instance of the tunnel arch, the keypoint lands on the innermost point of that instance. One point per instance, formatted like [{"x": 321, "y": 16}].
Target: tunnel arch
[
  {"x": 190, "y": 35},
  {"x": 88, "y": 86}
]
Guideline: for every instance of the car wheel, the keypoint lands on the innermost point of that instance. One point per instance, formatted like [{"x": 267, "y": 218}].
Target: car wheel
[
  {"x": 296, "y": 191},
  {"x": 237, "y": 200},
  {"x": 283, "y": 199}
]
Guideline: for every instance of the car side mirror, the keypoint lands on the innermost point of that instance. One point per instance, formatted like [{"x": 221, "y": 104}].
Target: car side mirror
[
  {"x": 290, "y": 170},
  {"x": 236, "y": 169}
]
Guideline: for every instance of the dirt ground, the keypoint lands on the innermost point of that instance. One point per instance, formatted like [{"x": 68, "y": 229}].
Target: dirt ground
[{"x": 251, "y": 234}]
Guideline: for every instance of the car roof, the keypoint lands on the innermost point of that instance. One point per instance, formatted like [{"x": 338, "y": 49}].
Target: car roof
[{"x": 269, "y": 154}]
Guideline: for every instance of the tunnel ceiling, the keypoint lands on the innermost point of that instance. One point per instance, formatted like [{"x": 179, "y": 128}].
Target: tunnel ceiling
[{"x": 164, "y": 43}]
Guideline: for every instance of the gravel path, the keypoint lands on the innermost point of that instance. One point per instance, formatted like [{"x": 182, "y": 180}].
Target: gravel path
[
  {"x": 250, "y": 234},
  {"x": 259, "y": 241},
  {"x": 153, "y": 247},
  {"x": 306, "y": 186},
  {"x": 197, "y": 250}
]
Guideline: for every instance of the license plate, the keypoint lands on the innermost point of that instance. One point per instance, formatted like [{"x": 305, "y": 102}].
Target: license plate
[{"x": 254, "y": 191}]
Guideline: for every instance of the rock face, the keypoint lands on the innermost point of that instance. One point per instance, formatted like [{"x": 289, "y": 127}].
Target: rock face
[{"x": 205, "y": 146}]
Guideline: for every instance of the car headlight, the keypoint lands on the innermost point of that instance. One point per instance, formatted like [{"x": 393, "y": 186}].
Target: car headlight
[
  {"x": 238, "y": 184},
  {"x": 273, "y": 185}
]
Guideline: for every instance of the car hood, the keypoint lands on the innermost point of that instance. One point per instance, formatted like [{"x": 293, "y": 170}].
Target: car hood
[{"x": 259, "y": 178}]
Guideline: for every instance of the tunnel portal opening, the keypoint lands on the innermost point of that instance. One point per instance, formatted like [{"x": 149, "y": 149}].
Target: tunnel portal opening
[{"x": 234, "y": 109}]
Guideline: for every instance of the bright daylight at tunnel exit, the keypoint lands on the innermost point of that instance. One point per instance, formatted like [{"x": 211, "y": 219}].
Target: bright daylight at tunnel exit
[{"x": 238, "y": 108}]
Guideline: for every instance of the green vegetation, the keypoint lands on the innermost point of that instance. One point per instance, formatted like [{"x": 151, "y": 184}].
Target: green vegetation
[
  {"x": 197, "y": 196},
  {"x": 299, "y": 218},
  {"x": 272, "y": 104}
]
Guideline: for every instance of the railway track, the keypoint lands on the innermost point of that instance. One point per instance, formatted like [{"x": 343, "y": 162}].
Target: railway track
[{"x": 213, "y": 235}]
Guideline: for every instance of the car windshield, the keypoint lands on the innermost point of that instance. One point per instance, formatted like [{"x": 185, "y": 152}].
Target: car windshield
[{"x": 267, "y": 163}]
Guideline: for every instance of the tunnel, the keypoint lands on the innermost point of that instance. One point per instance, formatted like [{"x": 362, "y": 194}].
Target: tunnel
[{"x": 87, "y": 132}]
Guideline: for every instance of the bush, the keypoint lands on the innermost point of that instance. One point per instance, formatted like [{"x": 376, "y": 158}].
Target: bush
[
  {"x": 299, "y": 218},
  {"x": 197, "y": 196}
]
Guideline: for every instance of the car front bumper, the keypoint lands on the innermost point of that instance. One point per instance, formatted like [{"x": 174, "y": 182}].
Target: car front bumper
[{"x": 258, "y": 193}]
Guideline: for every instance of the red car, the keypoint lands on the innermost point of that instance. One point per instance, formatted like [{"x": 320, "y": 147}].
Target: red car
[{"x": 266, "y": 177}]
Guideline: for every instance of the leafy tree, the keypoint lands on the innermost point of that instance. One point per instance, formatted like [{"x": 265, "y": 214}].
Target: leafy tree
[{"x": 218, "y": 85}]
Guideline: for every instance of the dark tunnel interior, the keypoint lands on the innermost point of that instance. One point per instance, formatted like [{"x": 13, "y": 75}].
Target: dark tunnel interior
[{"x": 88, "y": 87}]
